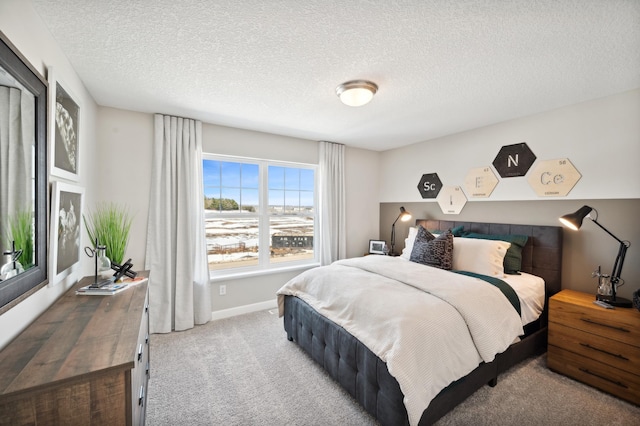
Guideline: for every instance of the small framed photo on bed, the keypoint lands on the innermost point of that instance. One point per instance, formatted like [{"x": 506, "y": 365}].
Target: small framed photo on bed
[{"x": 377, "y": 247}]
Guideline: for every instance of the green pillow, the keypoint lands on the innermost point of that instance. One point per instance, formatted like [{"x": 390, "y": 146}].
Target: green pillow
[
  {"x": 513, "y": 259},
  {"x": 457, "y": 231}
]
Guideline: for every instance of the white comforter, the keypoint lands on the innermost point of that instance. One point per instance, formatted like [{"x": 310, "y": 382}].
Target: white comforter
[{"x": 430, "y": 326}]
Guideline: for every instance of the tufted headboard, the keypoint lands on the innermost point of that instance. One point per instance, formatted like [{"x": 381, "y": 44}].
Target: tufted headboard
[{"x": 541, "y": 256}]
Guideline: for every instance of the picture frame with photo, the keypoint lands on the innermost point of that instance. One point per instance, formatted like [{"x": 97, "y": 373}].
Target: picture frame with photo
[
  {"x": 64, "y": 116},
  {"x": 67, "y": 204},
  {"x": 378, "y": 247}
]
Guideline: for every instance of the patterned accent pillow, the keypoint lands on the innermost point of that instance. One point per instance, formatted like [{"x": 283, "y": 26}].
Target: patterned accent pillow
[{"x": 432, "y": 251}]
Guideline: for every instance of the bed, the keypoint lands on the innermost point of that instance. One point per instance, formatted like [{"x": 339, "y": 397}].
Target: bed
[{"x": 353, "y": 361}]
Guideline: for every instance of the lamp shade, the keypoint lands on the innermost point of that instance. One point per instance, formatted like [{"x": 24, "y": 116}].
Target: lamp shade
[
  {"x": 357, "y": 92},
  {"x": 404, "y": 215},
  {"x": 574, "y": 220}
]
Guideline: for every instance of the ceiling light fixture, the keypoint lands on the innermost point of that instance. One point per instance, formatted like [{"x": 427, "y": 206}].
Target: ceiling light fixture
[{"x": 356, "y": 92}]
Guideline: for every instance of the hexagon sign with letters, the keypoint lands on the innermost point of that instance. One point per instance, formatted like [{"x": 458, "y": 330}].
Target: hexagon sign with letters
[
  {"x": 514, "y": 160},
  {"x": 554, "y": 178},
  {"x": 451, "y": 200},
  {"x": 480, "y": 182},
  {"x": 429, "y": 185}
]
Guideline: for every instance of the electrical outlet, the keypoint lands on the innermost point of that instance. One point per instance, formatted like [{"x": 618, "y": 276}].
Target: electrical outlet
[{"x": 223, "y": 290}]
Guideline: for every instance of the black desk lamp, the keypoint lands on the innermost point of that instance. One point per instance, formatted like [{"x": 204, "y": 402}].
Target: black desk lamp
[
  {"x": 574, "y": 221},
  {"x": 404, "y": 216}
]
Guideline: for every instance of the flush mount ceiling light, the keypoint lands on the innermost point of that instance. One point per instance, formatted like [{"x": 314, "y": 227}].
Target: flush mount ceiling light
[{"x": 356, "y": 92}]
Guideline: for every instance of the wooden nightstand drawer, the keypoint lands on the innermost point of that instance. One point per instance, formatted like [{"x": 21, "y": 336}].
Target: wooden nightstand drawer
[
  {"x": 576, "y": 310},
  {"x": 595, "y": 373},
  {"x": 610, "y": 352}
]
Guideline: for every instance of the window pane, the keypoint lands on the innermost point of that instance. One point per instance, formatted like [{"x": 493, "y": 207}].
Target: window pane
[
  {"x": 231, "y": 242},
  {"x": 292, "y": 178},
  {"x": 249, "y": 200},
  {"x": 306, "y": 201},
  {"x": 231, "y": 174},
  {"x": 211, "y": 172},
  {"x": 291, "y": 238},
  {"x": 291, "y": 201},
  {"x": 276, "y": 177},
  {"x": 276, "y": 201},
  {"x": 250, "y": 176},
  {"x": 306, "y": 180}
]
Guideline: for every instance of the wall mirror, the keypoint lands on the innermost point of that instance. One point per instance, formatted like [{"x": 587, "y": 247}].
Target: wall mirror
[{"x": 23, "y": 176}]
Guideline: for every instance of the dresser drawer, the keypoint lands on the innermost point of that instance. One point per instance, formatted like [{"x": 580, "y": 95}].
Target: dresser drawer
[
  {"x": 140, "y": 373},
  {"x": 611, "y": 352},
  {"x": 622, "y": 325},
  {"x": 595, "y": 373}
]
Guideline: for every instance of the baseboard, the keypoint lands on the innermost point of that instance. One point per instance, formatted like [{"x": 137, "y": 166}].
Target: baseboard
[{"x": 246, "y": 309}]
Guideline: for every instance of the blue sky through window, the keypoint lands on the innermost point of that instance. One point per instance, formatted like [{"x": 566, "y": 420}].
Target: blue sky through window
[{"x": 288, "y": 186}]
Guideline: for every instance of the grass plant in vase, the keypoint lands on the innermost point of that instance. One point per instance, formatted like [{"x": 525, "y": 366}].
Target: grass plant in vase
[
  {"x": 20, "y": 231},
  {"x": 109, "y": 224}
]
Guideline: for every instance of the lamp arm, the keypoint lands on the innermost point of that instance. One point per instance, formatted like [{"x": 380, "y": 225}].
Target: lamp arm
[
  {"x": 607, "y": 231},
  {"x": 617, "y": 266},
  {"x": 393, "y": 235}
]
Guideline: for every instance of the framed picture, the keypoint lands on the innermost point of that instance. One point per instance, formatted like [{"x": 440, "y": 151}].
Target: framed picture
[
  {"x": 64, "y": 114},
  {"x": 66, "y": 220},
  {"x": 377, "y": 247}
]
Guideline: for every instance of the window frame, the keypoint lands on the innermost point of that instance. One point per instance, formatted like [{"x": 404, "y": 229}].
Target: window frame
[{"x": 264, "y": 217}]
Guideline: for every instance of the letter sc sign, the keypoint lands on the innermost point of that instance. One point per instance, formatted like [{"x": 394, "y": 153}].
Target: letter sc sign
[{"x": 429, "y": 185}]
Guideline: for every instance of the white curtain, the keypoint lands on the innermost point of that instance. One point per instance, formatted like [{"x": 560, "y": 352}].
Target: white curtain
[
  {"x": 179, "y": 293},
  {"x": 17, "y": 139},
  {"x": 333, "y": 238}
]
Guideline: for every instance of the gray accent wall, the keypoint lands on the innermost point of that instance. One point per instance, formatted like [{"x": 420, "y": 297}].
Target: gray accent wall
[{"x": 583, "y": 250}]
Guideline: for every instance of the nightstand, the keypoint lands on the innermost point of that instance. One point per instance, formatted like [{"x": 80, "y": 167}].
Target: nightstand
[{"x": 597, "y": 346}]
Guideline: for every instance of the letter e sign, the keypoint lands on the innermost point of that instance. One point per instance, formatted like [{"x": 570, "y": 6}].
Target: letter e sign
[{"x": 514, "y": 160}]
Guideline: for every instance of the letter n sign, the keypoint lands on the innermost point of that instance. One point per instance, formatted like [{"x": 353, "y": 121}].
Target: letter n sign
[
  {"x": 429, "y": 185},
  {"x": 514, "y": 160}
]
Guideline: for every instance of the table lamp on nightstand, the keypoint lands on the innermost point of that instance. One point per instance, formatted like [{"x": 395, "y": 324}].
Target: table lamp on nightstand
[
  {"x": 403, "y": 216},
  {"x": 574, "y": 221}
]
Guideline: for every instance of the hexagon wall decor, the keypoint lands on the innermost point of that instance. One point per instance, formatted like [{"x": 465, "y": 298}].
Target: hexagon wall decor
[
  {"x": 480, "y": 182},
  {"x": 514, "y": 160},
  {"x": 429, "y": 185},
  {"x": 554, "y": 178},
  {"x": 451, "y": 200}
]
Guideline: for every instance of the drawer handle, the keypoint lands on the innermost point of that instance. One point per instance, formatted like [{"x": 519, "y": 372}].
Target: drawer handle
[
  {"x": 615, "y": 382},
  {"x": 140, "y": 349},
  {"x": 605, "y": 325},
  {"x": 588, "y": 346},
  {"x": 141, "y": 396}
]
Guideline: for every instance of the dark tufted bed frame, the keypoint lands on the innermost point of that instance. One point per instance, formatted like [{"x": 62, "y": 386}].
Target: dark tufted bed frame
[{"x": 366, "y": 377}]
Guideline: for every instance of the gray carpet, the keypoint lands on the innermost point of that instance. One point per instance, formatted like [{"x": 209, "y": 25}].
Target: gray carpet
[{"x": 244, "y": 371}]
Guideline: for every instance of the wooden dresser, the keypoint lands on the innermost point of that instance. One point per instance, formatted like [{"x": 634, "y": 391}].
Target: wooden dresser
[
  {"x": 600, "y": 347},
  {"x": 84, "y": 361}
]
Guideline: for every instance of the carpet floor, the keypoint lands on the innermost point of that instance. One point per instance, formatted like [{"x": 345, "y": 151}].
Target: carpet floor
[{"x": 244, "y": 371}]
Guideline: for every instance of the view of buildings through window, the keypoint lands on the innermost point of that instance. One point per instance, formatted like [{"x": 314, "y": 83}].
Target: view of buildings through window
[{"x": 258, "y": 213}]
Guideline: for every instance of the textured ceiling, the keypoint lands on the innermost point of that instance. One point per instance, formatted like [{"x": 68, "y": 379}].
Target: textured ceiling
[{"x": 443, "y": 66}]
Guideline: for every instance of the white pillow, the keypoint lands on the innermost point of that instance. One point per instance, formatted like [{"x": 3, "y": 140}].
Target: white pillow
[
  {"x": 408, "y": 243},
  {"x": 484, "y": 257}
]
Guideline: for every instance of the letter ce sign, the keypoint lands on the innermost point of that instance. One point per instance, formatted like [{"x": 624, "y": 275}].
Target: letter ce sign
[
  {"x": 430, "y": 185},
  {"x": 514, "y": 160}
]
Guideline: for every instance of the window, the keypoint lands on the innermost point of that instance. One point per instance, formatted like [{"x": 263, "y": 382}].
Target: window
[{"x": 258, "y": 214}]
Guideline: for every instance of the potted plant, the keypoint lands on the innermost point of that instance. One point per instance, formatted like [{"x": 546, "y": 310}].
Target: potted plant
[
  {"x": 20, "y": 231},
  {"x": 110, "y": 224}
]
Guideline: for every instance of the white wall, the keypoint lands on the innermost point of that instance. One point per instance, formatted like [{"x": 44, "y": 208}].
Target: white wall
[
  {"x": 24, "y": 28},
  {"x": 600, "y": 138},
  {"x": 125, "y": 141}
]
